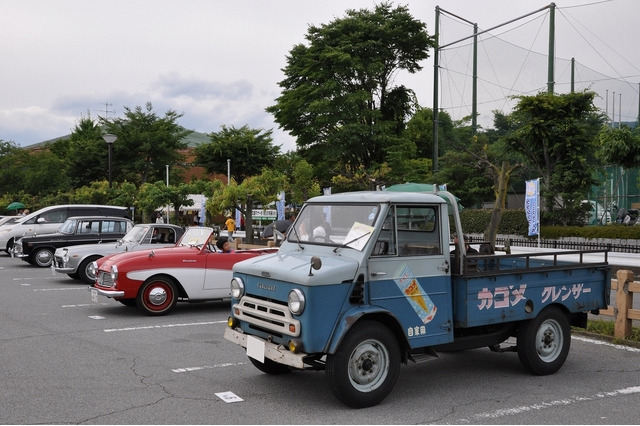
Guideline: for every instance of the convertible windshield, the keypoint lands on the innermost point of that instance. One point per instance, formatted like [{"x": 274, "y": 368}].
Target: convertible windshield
[
  {"x": 335, "y": 224},
  {"x": 137, "y": 234},
  {"x": 196, "y": 236}
]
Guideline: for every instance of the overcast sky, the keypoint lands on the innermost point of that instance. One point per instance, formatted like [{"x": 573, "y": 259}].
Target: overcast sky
[{"x": 219, "y": 62}]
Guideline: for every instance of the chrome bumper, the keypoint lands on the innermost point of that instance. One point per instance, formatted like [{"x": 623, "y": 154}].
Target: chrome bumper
[
  {"x": 63, "y": 270},
  {"x": 114, "y": 294},
  {"x": 276, "y": 353}
]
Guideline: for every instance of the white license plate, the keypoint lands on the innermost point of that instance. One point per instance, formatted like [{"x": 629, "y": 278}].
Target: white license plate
[
  {"x": 255, "y": 348},
  {"x": 94, "y": 295}
]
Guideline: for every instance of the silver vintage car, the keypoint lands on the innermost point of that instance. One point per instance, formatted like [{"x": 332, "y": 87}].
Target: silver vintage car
[{"x": 76, "y": 261}]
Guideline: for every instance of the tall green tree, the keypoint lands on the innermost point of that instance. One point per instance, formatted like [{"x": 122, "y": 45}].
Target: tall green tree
[
  {"x": 250, "y": 150},
  {"x": 338, "y": 97},
  {"x": 146, "y": 144},
  {"x": 12, "y": 167},
  {"x": 556, "y": 135},
  {"x": 254, "y": 191},
  {"x": 86, "y": 153}
]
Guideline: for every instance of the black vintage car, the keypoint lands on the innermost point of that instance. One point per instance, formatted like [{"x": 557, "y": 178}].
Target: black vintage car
[{"x": 39, "y": 249}]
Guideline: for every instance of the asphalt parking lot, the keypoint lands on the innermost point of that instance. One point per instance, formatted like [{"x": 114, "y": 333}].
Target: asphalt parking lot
[{"x": 66, "y": 359}]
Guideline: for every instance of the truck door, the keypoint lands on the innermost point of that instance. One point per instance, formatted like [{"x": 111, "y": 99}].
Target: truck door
[{"x": 409, "y": 274}]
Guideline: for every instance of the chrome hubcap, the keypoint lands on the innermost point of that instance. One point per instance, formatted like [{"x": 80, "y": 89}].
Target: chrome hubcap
[{"x": 157, "y": 296}]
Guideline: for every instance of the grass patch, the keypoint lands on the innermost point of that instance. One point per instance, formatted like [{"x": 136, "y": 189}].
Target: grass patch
[{"x": 606, "y": 328}]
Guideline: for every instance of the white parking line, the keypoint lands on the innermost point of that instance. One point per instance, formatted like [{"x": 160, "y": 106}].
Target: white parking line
[
  {"x": 543, "y": 405},
  {"x": 148, "y": 327},
  {"x": 187, "y": 369},
  {"x": 602, "y": 342},
  {"x": 84, "y": 305},
  {"x": 60, "y": 289}
]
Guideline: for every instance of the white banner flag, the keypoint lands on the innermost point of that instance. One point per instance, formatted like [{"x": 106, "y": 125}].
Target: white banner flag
[{"x": 532, "y": 206}]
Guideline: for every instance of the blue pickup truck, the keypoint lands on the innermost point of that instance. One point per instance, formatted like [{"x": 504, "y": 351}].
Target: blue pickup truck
[{"x": 367, "y": 281}]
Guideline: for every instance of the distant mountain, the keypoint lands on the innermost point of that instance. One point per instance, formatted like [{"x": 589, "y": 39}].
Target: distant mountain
[{"x": 193, "y": 140}]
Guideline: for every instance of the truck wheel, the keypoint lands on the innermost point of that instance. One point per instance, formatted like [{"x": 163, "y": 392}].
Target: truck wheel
[
  {"x": 544, "y": 342},
  {"x": 43, "y": 257},
  {"x": 365, "y": 367},
  {"x": 157, "y": 296},
  {"x": 86, "y": 271},
  {"x": 270, "y": 367}
]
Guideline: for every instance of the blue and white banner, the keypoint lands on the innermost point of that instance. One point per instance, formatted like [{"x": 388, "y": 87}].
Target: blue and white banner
[
  {"x": 327, "y": 209},
  {"x": 280, "y": 206},
  {"x": 532, "y": 206},
  {"x": 203, "y": 211}
]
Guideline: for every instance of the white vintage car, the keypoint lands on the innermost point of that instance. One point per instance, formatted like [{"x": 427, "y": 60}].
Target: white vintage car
[{"x": 77, "y": 261}]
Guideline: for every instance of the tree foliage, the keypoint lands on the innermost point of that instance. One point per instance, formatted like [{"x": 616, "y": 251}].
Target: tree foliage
[
  {"x": 338, "y": 98},
  {"x": 556, "y": 134},
  {"x": 85, "y": 142},
  {"x": 254, "y": 191},
  {"x": 146, "y": 144},
  {"x": 250, "y": 150}
]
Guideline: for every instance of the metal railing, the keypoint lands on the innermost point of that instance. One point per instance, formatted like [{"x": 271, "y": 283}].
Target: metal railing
[{"x": 619, "y": 246}]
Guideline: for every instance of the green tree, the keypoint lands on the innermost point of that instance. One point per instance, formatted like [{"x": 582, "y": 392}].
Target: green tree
[
  {"x": 146, "y": 144},
  {"x": 303, "y": 183},
  {"x": 13, "y": 161},
  {"x": 556, "y": 134},
  {"x": 248, "y": 149},
  {"x": 154, "y": 196},
  {"x": 338, "y": 97},
  {"x": 254, "y": 191},
  {"x": 419, "y": 130},
  {"x": 86, "y": 154}
]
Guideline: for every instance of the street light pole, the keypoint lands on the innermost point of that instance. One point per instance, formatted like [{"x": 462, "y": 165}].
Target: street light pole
[{"x": 109, "y": 139}]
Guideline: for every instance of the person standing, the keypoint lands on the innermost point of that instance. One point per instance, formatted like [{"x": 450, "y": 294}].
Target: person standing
[
  {"x": 231, "y": 226},
  {"x": 159, "y": 218}
]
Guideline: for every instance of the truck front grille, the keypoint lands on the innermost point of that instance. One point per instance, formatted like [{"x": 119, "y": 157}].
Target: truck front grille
[{"x": 267, "y": 316}]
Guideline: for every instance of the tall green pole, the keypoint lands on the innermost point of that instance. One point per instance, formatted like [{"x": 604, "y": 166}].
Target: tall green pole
[
  {"x": 474, "y": 95},
  {"x": 573, "y": 74},
  {"x": 552, "y": 30},
  {"x": 435, "y": 92}
]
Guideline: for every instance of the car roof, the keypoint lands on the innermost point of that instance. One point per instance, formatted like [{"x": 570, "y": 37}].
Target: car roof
[{"x": 98, "y": 218}]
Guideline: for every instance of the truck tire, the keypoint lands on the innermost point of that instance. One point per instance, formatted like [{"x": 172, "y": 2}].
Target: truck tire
[
  {"x": 270, "y": 367},
  {"x": 366, "y": 365},
  {"x": 86, "y": 272},
  {"x": 157, "y": 296},
  {"x": 544, "y": 342},
  {"x": 43, "y": 257}
]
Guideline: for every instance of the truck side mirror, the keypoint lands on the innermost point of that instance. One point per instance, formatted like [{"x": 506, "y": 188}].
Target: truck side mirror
[{"x": 316, "y": 264}]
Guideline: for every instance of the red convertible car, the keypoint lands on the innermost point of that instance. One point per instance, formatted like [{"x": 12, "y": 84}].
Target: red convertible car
[{"x": 193, "y": 270}]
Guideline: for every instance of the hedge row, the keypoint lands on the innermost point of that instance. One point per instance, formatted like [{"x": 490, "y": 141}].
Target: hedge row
[{"x": 514, "y": 222}]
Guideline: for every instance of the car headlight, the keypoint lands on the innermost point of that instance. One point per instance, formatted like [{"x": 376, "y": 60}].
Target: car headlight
[
  {"x": 114, "y": 272},
  {"x": 296, "y": 301},
  {"x": 237, "y": 288}
]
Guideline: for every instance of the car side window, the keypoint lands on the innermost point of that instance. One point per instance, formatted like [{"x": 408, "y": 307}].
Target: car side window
[
  {"x": 418, "y": 231},
  {"x": 88, "y": 227},
  {"x": 113, "y": 226},
  {"x": 54, "y": 216}
]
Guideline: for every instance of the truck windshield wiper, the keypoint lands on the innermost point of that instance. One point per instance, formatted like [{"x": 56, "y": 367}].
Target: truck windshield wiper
[
  {"x": 343, "y": 245},
  {"x": 295, "y": 231}
]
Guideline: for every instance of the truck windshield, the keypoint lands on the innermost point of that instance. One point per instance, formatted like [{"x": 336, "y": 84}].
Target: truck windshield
[{"x": 335, "y": 224}]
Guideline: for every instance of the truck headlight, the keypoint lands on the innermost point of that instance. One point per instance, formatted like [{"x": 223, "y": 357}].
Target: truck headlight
[
  {"x": 296, "y": 301},
  {"x": 237, "y": 288},
  {"x": 114, "y": 272}
]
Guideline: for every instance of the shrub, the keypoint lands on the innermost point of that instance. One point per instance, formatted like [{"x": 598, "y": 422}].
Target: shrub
[{"x": 514, "y": 222}]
